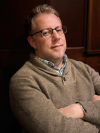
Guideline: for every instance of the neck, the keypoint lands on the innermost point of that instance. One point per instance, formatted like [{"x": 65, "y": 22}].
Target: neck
[{"x": 58, "y": 63}]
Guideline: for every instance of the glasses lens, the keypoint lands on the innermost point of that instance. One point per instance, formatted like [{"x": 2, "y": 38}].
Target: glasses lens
[
  {"x": 61, "y": 29},
  {"x": 64, "y": 28},
  {"x": 47, "y": 32}
]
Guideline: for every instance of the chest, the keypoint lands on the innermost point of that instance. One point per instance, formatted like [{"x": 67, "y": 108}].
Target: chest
[{"x": 64, "y": 90}]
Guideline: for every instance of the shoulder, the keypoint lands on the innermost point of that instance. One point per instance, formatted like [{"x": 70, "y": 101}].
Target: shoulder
[
  {"x": 77, "y": 64},
  {"x": 23, "y": 77},
  {"x": 81, "y": 66},
  {"x": 25, "y": 71}
]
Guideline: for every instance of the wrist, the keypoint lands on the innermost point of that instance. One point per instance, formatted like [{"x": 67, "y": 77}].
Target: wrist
[{"x": 84, "y": 110}]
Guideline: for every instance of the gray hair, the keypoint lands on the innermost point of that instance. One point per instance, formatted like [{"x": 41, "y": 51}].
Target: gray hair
[{"x": 29, "y": 23}]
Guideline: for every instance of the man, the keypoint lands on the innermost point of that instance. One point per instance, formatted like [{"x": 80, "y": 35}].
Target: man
[{"x": 51, "y": 93}]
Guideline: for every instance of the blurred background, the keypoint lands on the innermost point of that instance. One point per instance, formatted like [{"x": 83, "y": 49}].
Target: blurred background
[{"x": 82, "y": 18}]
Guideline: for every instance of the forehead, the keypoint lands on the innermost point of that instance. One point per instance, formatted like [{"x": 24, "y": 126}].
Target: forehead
[{"x": 47, "y": 21}]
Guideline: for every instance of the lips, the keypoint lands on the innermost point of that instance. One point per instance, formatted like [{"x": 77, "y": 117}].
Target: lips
[{"x": 57, "y": 46}]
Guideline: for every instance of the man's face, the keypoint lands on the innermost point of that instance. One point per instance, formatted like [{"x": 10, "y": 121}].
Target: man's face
[{"x": 52, "y": 48}]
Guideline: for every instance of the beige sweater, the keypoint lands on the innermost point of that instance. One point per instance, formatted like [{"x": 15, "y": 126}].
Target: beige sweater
[{"x": 37, "y": 92}]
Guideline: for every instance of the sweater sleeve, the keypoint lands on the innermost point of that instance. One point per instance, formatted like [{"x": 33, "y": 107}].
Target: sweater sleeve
[
  {"x": 36, "y": 113},
  {"x": 93, "y": 107},
  {"x": 95, "y": 77}
]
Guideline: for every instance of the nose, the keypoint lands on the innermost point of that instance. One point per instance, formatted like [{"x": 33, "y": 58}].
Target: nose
[{"x": 55, "y": 35}]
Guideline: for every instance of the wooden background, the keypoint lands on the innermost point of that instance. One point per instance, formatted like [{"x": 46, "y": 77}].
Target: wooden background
[{"x": 82, "y": 18}]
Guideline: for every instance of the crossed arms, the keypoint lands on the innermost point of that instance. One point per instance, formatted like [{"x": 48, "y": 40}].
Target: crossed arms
[
  {"x": 75, "y": 110},
  {"x": 37, "y": 113}
]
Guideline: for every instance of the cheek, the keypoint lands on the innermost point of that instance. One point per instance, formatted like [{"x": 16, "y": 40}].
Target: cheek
[
  {"x": 39, "y": 43},
  {"x": 64, "y": 41},
  {"x": 64, "y": 38},
  {"x": 47, "y": 43}
]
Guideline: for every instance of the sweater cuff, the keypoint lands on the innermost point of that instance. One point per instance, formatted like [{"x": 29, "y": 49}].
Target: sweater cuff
[
  {"x": 84, "y": 110},
  {"x": 92, "y": 111}
]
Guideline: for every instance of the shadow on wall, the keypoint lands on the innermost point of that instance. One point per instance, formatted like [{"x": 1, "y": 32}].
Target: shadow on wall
[
  {"x": 11, "y": 61},
  {"x": 8, "y": 122}
]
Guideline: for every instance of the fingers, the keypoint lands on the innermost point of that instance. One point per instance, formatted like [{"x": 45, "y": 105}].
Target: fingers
[{"x": 96, "y": 97}]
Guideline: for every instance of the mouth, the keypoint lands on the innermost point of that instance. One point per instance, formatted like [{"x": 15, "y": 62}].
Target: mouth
[{"x": 56, "y": 46}]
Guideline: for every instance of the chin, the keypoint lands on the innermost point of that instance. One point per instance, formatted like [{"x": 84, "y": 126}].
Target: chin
[{"x": 59, "y": 56}]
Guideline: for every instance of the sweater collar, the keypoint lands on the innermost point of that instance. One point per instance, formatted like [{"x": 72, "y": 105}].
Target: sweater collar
[
  {"x": 69, "y": 71},
  {"x": 51, "y": 65}
]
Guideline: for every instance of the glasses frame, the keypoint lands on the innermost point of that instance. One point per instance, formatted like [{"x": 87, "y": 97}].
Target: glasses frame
[{"x": 49, "y": 28}]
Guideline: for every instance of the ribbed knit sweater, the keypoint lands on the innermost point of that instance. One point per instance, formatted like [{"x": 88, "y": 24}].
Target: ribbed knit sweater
[{"x": 37, "y": 92}]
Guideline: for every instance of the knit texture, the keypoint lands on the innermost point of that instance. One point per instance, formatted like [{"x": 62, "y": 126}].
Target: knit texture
[{"x": 37, "y": 92}]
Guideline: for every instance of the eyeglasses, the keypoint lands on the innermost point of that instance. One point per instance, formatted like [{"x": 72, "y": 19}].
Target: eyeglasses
[{"x": 46, "y": 33}]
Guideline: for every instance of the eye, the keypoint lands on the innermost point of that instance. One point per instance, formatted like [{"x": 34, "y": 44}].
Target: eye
[
  {"x": 60, "y": 30},
  {"x": 46, "y": 32}
]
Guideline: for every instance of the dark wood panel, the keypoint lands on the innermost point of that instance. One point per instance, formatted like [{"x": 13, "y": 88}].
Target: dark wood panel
[
  {"x": 93, "y": 38},
  {"x": 76, "y": 53},
  {"x": 13, "y": 58},
  {"x": 79, "y": 55},
  {"x": 11, "y": 24},
  {"x": 73, "y": 14},
  {"x": 94, "y": 62},
  {"x": 93, "y": 52}
]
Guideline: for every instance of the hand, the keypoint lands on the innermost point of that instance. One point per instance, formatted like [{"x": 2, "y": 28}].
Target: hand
[
  {"x": 73, "y": 110},
  {"x": 96, "y": 97}
]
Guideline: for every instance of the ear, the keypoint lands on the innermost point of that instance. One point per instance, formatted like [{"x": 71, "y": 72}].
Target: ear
[{"x": 31, "y": 41}]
